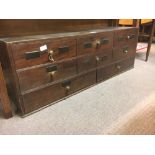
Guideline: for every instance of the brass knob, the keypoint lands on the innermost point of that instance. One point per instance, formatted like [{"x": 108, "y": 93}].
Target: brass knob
[
  {"x": 50, "y": 57},
  {"x": 97, "y": 58},
  {"x": 52, "y": 73},
  {"x": 68, "y": 88},
  {"x": 98, "y": 43},
  {"x": 128, "y": 37},
  {"x": 126, "y": 51}
]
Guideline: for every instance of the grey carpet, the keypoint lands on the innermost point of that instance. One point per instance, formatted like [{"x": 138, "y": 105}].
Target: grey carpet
[{"x": 93, "y": 110}]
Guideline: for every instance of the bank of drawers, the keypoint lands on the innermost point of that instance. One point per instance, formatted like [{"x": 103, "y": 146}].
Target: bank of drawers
[{"x": 66, "y": 65}]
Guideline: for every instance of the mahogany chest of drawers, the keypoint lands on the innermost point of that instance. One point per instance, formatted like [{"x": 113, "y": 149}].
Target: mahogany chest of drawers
[{"x": 42, "y": 69}]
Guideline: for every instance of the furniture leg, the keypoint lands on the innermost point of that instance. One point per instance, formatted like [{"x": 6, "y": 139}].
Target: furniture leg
[
  {"x": 150, "y": 40},
  {"x": 4, "y": 96}
]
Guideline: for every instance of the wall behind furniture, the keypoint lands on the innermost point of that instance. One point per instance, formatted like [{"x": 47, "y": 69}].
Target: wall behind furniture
[{"x": 20, "y": 27}]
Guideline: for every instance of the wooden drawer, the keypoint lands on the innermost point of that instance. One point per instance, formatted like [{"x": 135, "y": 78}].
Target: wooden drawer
[
  {"x": 127, "y": 36},
  {"x": 28, "y": 53},
  {"x": 36, "y": 76},
  {"x": 106, "y": 72},
  {"x": 113, "y": 69},
  {"x": 94, "y": 43},
  {"x": 86, "y": 63},
  {"x": 124, "y": 52},
  {"x": 104, "y": 57},
  {"x": 42, "y": 97},
  {"x": 124, "y": 65}
]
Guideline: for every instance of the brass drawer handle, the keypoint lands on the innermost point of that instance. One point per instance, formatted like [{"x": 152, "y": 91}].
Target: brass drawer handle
[
  {"x": 98, "y": 43},
  {"x": 97, "y": 58},
  {"x": 126, "y": 49},
  {"x": 50, "y": 55}
]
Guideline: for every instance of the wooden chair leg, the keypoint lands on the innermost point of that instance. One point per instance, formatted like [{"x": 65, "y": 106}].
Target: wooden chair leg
[
  {"x": 4, "y": 96},
  {"x": 150, "y": 40}
]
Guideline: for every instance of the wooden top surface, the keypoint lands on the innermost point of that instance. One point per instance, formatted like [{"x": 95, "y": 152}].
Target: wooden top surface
[{"x": 60, "y": 35}]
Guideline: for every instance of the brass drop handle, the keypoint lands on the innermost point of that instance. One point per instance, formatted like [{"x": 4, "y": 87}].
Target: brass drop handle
[
  {"x": 97, "y": 58},
  {"x": 98, "y": 43},
  {"x": 52, "y": 73},
  {"x": 50, "y": 56},
  {"x": 126, "y": 51}
]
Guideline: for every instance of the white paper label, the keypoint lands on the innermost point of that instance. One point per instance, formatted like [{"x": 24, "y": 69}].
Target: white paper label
[{"x": 43, "y": 48}]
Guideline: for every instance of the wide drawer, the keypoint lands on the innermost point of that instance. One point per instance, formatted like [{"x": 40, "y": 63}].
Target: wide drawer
[
  {"x": 127, "y": 36},
  {"x": 94, "y": 43},
  {"x": 42, "y": 97},
  {"x": 104, "y": 57},
  {"x": 40, "y": 75},
  {"x": 113, "y": 69},
  {"x": 123, "y": 52},
  {"x": 44, "y": 51},
  {"x": 86, "y": 63}
]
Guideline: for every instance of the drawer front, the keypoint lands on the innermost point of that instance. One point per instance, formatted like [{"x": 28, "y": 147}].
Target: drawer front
[
  {"x": 37, "y": 76},
  {"x": 116, "y": 68},
  {"x": 85, "y": 44},
  {"x": 39, "y": 98},
  {"x": 79, "y": 82},
  {"x": 106, "y": 72},
  {"x": 124, "y": 65},
  {"x": 124, "y": 51},
  {"x": 104, "y": 57},
  {"x": 42, "y": 97},
  {"x": 128, "y": 36},
  {"x": 94, "y": 43},
  {"x": 104, "y": 41},
  {"x": 29, "y": 53},
  {"x": 86, "y": 63}
]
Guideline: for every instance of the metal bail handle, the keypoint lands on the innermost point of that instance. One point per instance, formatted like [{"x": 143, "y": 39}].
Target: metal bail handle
[{"x": 50, "y": 56}]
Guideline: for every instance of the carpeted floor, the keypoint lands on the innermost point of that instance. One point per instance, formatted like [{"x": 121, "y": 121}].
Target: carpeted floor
[{"x": 93, "y": 110}]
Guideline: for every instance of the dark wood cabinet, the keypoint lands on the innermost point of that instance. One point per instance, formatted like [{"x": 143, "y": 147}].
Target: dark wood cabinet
[{"x": 42, "y": 69}]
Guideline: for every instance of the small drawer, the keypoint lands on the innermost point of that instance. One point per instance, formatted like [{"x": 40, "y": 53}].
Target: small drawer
[
  {"x": 124, "y": 52},
  {"x": 124, "y": 65},
  {"x": 79, "y": 82},
  {"x": 94, "y": 43},
  {"x": 30, "y": 53},
  {"x": 104, "y": 57},
  {"x": 104, "y": 41},
  {"x": 126, "y": 36},
  {"x": 85, "y": 44},
  {"x": 113, "y": 69},
  {"x": 86, "y": 63},
  {"x": 42, "y": 97},
  {"x": 106, "y": 72},
  {"x": 37, "y": 76}
]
